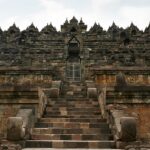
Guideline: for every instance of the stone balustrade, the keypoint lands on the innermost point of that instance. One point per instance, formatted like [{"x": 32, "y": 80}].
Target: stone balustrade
[
  {"x": 18, "y": 128},
  {"x": 42, "y": 101},
  {"x": 124, "y": 127},
  {"x": 102, "y": 101}
]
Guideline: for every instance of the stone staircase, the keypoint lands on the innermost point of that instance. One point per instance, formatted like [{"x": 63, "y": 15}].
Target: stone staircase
[
  {"x": 74, "y": 123},
  {"x": 74, "y": 90}
]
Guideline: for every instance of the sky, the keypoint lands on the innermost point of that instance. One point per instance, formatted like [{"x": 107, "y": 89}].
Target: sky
[{"x": 43, "y": 12}]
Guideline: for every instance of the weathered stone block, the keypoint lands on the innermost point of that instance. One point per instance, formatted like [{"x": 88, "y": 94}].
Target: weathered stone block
[
  {"x": 69, "y": 93},
  {"x": 56, "y": 84},
  {"x": 28, "y": 119},
  {"x": 90, "y": 83},
  {"x": 92, "y": 92},
  {"x": 10, "y": 147},
  {"x": 120, "y": 80},
  {"x": 54, "y": 92},
  {"x": 128, "y": 129},
  {"x": 14, "y": 128}
]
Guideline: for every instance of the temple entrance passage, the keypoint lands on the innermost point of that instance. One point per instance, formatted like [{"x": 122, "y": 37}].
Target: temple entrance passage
[{"x": 73, "y": 71}]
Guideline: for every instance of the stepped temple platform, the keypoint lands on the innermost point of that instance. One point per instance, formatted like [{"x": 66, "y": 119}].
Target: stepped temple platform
[{"x": 75, "y": 88}]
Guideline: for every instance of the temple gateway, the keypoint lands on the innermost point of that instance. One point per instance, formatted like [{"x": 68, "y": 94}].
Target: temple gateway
[{"x": 75, "y": 88}]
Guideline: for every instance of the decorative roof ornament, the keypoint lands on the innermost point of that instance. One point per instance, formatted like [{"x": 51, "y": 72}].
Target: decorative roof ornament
[
  {"x": 99, "y": 28},
  {"x": 132, "y": 29},
  {"x": 73, "y": 20},
  {"x": 114, "y": 25},
  {"x": 95, "y": 25},
  {"x": 113, "y": 28},
  {"x": 1, "y": 31},
  {"x": 81, "y": 22},
  {"x": 52, "y": 27},
  {"x": 73, "y": 26},
  {"x": 49, "y": 28},
  {"x": 13, "y": 29},
  {"x": 66, "y": 22},
  {"x": 32, "y": 28},
  {"x": 96, "y": 28},
  {"x": 147, "y": 29}
]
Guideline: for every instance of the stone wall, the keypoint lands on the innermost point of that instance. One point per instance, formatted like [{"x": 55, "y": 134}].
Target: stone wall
[
  {"x": 25, "y": 79},
  {"x": 142, "y": 112},
  {"x": 134, "y": 100},
  {"x": 5, "y": 112},
  {"x": 10, "y": 110},
  {"x": 19, "y": 89},
  {"x": 32, "y": 58},
  {"x": 25, "y": 76},
  {"x": 130, "y": 79},
  {"x": 49, "y": 47},
  {"x": 11, "y": 100},
  {"x": 105, "y": 76}
]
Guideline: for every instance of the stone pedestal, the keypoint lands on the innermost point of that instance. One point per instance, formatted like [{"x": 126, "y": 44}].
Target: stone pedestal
[
  {"x": 92, "y": 92},
  {"x": 54, "y": 92},
  {"x": 15, "y": 131},
  {"x": 128, "y": 129}
]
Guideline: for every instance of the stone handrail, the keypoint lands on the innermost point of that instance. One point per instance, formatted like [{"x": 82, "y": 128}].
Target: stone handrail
[
  {"x": 124, "y": 127},
  {"x": 18, "y": 128},
  {"x": 42, "y": 101},
  {"x": 102, "y": 102}
]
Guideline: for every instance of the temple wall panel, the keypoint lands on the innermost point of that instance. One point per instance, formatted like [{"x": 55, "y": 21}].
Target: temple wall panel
[
  {"x": 12, "y": 99},
  {"x": 142, "y": 112},
  {"x": 25, "y": 79},
  {"x": 7, "y": 110},
  {"x": 110, "y": 80}
]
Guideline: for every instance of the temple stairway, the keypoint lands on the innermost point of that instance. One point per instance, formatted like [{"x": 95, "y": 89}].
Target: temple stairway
[
  {"x": 76, "y": 90},
  {"x": 72, "y": 122}
]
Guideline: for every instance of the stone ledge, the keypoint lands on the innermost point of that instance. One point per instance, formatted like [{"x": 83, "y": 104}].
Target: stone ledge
[
  {"x": 15, "y": 129},
  {"x": 92, "y": 93},
  {"x": 19, "y": 101},
  {"x": 67, "y": 149},
  {"x": 54, "y": 92}
]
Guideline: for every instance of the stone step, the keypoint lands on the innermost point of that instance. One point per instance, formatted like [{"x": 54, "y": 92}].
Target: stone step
[
  {"x": 69, "y": 144},
  {"x": 69, "y": 149},
  {"x": 71, "y": 116},
  {"x": 79, "y": 120},
  {"x": 72, "y": 105},
  {"x": 73, "y": 102},
  {"x": 70, "y": 130},
  {"x": 81, "y": 93},
  {"x": 75, "y": 95},
  {"x": 75, "y": 122},
  {"x": 72, "y": 99},
  {"x": 83, "y": 137},
  {"x": 72, "y": 113},
  {"x": 71, "y": 124},
  {"x": 72, "y": 109}
]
